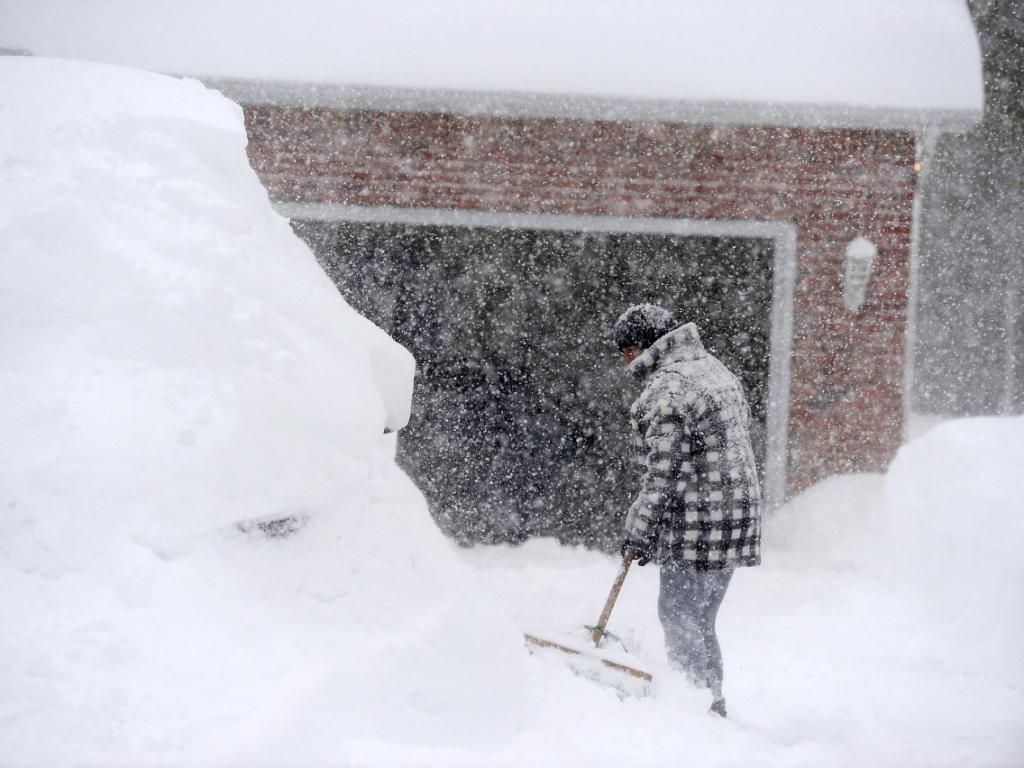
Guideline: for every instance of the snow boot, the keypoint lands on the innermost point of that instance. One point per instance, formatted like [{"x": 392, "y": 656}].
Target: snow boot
[{"x": 718, "y": 707}]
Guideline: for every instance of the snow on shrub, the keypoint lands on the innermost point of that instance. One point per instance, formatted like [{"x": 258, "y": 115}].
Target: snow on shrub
[{"x": 208, "y": 553}]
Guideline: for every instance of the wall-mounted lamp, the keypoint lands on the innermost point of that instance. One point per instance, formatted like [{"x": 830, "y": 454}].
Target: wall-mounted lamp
[{"x": 860, "y": 257}]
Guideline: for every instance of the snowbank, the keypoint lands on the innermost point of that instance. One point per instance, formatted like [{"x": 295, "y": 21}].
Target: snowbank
[
  {"x": 945, "y": 525},
  {"x": 956, "y": 510},
  {"x": 838, "y": 523},
  {"x": 176, "y": 369}
]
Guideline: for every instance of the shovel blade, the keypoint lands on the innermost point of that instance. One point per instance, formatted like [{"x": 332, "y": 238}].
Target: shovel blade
[{"x": 591, "y": 666}]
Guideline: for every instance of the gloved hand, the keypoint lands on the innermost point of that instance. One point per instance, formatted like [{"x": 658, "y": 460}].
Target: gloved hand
[{"x": 643, "y": 551}]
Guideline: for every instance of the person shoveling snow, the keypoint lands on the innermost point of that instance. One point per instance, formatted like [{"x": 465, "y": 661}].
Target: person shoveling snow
[{"x": 698, "y": 509}]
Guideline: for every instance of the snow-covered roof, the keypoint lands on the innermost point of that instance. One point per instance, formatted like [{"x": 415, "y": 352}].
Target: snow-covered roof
[{"x": 911, "y": 63}]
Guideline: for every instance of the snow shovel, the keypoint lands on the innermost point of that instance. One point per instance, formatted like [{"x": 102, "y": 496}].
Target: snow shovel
[{"x": 599, "y": 631}]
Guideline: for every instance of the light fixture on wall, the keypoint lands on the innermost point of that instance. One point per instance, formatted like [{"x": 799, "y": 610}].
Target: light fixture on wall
[{"x": 860, "y": 257}]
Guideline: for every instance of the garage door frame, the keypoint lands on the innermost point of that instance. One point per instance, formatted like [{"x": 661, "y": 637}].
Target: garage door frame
[{"x": 781, "y": 233}]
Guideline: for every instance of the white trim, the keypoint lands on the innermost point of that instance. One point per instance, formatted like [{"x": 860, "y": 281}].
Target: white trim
[
  {"x": 1011, "y": 308},
  {"x": 924, "y": 144},
  {"x": 583, "y": 107},
  {"x": 782, "y": 233}
]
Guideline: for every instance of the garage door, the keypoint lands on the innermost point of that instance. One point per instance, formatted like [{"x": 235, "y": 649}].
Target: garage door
[{"x": 520, "y": 412}]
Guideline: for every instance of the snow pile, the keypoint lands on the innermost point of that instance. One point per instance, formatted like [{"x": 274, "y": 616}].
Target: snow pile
[
  {"x": 956, "y": 510},
  {"x": 175, "y": 371},
  {"x": 836, "y": 524}
]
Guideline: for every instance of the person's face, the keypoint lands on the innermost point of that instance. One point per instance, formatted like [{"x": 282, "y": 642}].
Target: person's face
[{"x": 631, "y": 353}]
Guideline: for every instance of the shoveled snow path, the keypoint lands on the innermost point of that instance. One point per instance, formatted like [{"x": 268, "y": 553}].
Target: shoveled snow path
[{"x": 827, "y": 661}]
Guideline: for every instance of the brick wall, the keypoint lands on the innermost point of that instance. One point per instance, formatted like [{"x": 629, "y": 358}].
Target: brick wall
[{"x": 846, "y": 402}]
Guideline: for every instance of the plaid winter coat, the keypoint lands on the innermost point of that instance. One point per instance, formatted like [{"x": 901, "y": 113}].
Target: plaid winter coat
[{"x": 699, "y": 499}]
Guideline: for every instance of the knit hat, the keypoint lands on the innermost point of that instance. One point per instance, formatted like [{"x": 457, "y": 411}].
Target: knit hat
[{"x": 641, "y": 325}]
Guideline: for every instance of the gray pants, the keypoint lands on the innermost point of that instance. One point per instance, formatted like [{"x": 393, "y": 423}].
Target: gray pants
[{"x": 688, "y": 606}]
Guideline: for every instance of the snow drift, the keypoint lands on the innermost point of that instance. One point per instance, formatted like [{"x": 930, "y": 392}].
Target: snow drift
[
  {"x": 955, "y": 501},
  {"x": 945, "y": 525},
  {"x": 175, "y": 369}
]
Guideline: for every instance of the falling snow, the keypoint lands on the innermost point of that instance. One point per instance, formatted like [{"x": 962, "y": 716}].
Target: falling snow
[{"x": 311, "y": 407}]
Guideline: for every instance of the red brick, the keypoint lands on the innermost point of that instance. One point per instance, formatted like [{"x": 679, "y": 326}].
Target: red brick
[{"x": 832, "y": 184}]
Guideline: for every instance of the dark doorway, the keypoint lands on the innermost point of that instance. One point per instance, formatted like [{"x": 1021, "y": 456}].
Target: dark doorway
[{"x": 520, "y": 412}]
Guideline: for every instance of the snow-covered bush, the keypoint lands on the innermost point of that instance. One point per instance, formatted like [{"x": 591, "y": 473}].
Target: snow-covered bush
[{"x": 175, "y": 369}]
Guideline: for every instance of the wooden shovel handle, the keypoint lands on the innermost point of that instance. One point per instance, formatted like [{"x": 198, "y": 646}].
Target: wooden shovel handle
[{"x": 602, "y": 622}]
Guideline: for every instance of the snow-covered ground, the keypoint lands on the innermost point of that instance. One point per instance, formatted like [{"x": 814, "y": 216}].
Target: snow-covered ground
[
  {"x": 835, "y": 655},
  {"x": 175, "y": 369}
]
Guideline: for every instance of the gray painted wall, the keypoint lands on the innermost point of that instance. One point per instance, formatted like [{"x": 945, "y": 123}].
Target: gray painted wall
[{"x": 969, "y": 348}]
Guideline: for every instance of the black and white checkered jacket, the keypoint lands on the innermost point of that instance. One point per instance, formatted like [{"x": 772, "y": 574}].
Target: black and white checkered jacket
[{"x": 699, "y": 499}]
